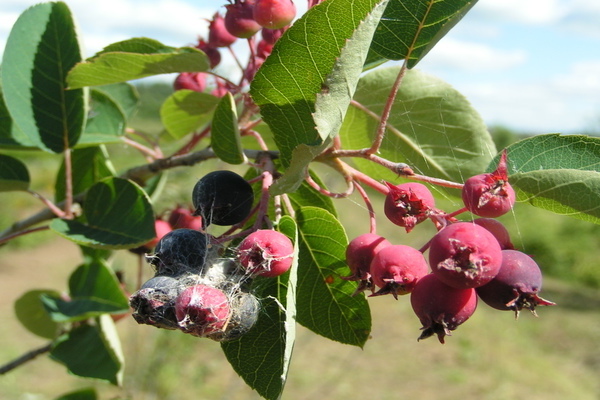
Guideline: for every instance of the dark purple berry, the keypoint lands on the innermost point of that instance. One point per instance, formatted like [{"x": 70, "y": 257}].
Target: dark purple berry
[{"x": 181, "y": 250}]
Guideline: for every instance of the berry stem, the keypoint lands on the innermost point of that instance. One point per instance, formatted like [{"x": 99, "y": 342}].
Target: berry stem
[
  {"x": 328, "y": 193},
  {"x": 369, "y": 205},
  {"x": 29, "y": 356},
  {"x": 68, "y": 208},
  {"x": 6, "y": 239}
]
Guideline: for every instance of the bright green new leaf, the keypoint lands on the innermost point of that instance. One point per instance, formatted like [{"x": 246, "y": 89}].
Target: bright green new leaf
[
  {"x": 432, "y": 127},
  {"x": 117, "y": 214},
  {"x": 134, "y": 59},
  {"x": 557, "y": 173},
  {"x": 13, "y": 174},
  {"x": 305, "y": 85},
  {"x": 262, "y": 356},
  {"x": 41, "y": 48},
  {"x": 31, "y": 313},
  {"x": 91, "y": 351},
  {"x": 225, "y": 133},
  {"x": 186, "y": 111},
  {"x": 325, "y": 302},
  {"x": 410, "y": 28},
  {"x": 124, "y": 95}
]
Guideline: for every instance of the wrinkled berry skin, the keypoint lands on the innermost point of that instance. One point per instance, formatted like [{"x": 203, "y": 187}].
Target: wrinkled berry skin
[
  {"x": 153, "y": 303},
  {"x": 181, "y": 250},
  {"x": 465, "y": 255},
  {"x": 274, "y": 14},
  {"x": 441, "y": 308},
  {"x": 489, "y": 195},
  {"x": 408, "y": 204},
  {"x": 218, "y": 36},
  {"x": 516, "y": 286},
  {"x": 396, "y": 269},
  {"x": 202, "y": 310},
  {"x": 266, "y": 253},
  {"x": 222, "y": 198},
  {"x": 497, "y": 229},
  {"x": 239, "y": 19}
]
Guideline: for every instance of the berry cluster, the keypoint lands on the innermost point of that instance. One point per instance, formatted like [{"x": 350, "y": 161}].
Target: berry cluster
[
  {"x": 466, "y": 260},
  {"x": 197, "y": 289},
  {"x": 243, "y": 19}
]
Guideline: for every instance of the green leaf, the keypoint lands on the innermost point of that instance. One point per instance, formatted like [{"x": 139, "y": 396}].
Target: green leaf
[
  {"x": 117, "y": 215},
  {"x": 82, "y": 394},
  {"x": 13, "y": 174},
  {"x": 262, "y": 356},
  {"x": 80, "y": 309},
  {"x": 41, "y": 48},
  {"x": 186, "y": 111},
  {"x": 92, "y": 351},
  {"x": 410, "y": 28},
  {"x": 106, "y": 121},
  {"x": 10, "y": 134},
  {"x": 305, "y": 85},
  {"x": 307, "y": 196},
  {"x": 325, "y": 302},
  {"x": 124, "y": 95},
  {"x": 557, "y": 173},
  {"x": 134, "y": 59},
  {"x": 30, "y": 311},
  {"x": 225, "y": 134},
  {"x": 432, "y": 127},
  {"x": 89, "y": 165}
]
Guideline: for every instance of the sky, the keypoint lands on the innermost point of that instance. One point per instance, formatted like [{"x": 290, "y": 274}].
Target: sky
[{"x": 529, "y": 65}]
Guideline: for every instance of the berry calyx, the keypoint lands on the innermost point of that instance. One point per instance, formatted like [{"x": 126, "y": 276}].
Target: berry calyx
[
  {"x": 441, "y": 308},
  {"x": 489, "y": 195},
  {"x": 202, "y": 310},
  {"x": 360, "y": 252},
  {"x": 396, "y": 269},
  {"x": 408, "y": 204},
  {"x": 239, "y": 19},
  {"x": 274, "y": 14},
  {"x": 266, "y": 253},
  {"x": 222, "y": 198},
  {"x": 516, "y": 286},
  {"x": 218, "y": 35},
  {"x": 465, "y": 255}
]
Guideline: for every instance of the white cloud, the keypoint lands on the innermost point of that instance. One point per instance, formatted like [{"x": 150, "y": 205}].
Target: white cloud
[{"x": 522, "y": 11}]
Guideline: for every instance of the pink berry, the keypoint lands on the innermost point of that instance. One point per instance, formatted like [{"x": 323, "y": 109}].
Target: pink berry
[
  {"x": 408, "y": 204},
  {"x": 239, "y": 19},
  {"x": 202, "y": 310},
  {"x": 516, "y": 286},
  {"x": 266, "y": 252},
  {"x": 195, "y": 81},
  {"x": 213, "y": 54},
  {"x": 441, "y": 308},
  {"x": 274, "y": 14},
  {"x": 272, "y": 35},
  {"x": 489, "y": 195},
  {"x": 218, "y": 36},
  {"x": 498, "y": 230},
  {"x": 465, "y": 255},
  {"x": 396, "y": 269},
  {"x": 182, "y": 217},
  {"x": 360, "y": 252}
]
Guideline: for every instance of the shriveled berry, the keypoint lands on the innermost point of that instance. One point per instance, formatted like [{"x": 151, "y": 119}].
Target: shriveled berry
[
  {"x": 218, "y": 35},
  {"x": 266, "y": 252},
  {"x": 360, "y": 252},
  {"x": 222, "y": 198},
  {"x": 181, "y": 250},
  {"x": 239, "y": 19},
  {"x": 274, "y": 14},
  {"x": 245, "y": 309},
  {"x": 202, "y": 310},
  {"x": 408, "y": 204},
  {"x": 465, "y": 255},
  {"x": 396, "y": 269},
  {"x": 153, "y": 304},
  {"x": 489, "y": 195},
  {"x": 181, "y": 217},
  {"x": 497, "y": 229},
  {"x": 441, "y": 308},
  {"x": 516, "y": 286}
]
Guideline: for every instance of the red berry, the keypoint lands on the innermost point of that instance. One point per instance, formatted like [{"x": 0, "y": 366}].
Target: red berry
[
  {"x": 498, "y": 230},
  {"x": 489, "y": 195},
  {"x": 396, "y": 269},
  {"x": 263, "y": 49},
  {"x": 213, "y": 54},
  {"x": 465, "y": 255},
  {"x": 195, "y": 81},
  {"x": 441, "y": 308},
  {"x": 516, "y": 286},
  {"x": 266, "y": 252},
  {"x": 182, "y": 217},
  {"x": 272, "y": 35},
  {"x": 239, "y": 19},
  {"x": 274, "y": 14},
  {"x": 218, "y": 36},
  {"x": 360, "y": 252},
  {"x": 408, "y": 204},
  {"x": 202, "y": 310}
]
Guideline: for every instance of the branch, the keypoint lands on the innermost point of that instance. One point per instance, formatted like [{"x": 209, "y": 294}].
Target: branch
[{"x": 30, "y": 355}]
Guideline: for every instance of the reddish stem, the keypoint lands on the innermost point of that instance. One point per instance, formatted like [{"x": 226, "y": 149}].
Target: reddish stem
[
  {"x": 6, "y": 239},
  {"x": 367, "y": 200}
]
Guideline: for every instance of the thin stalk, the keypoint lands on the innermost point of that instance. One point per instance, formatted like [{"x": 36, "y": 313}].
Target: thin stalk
[{"x": 29, "y": 356}]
